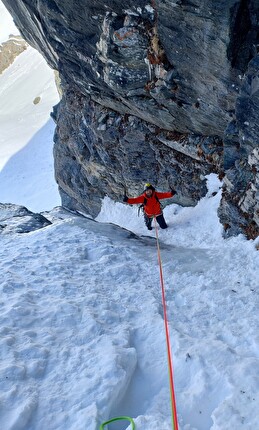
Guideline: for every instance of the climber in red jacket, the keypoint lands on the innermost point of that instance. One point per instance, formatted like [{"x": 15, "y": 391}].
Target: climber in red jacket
[{"x": 151, "y": 205}]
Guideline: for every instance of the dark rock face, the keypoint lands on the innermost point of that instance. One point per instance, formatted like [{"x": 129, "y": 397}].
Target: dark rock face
[
  {"x": 104, "y": 150},
  {"x": 163, "y": 91},
  {"x": 240, "y": 199},
  {"x": 18, "y": 219}
]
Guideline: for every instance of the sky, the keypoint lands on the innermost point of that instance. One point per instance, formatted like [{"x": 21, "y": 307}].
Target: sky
[{"x": 81, "y": 322}]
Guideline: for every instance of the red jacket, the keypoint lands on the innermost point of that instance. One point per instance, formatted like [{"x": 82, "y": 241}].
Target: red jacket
[{"x": 152, "y": 206}]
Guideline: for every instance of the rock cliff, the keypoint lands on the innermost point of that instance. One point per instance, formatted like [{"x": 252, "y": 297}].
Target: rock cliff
[{"x": 164, "y": 91}]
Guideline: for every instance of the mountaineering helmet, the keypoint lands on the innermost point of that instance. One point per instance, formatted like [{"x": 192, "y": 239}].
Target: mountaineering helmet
[{"x": 148, "y": 186}]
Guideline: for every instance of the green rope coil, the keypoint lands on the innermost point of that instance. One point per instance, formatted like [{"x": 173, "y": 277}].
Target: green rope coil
[{"x": 119, "y": 419}]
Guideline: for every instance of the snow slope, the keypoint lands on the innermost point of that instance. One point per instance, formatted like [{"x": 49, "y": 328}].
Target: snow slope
[
  {"x": 26, "y": 133},
  {"x": 7, "y": 25},
  {"x": 82, "y": 334}
]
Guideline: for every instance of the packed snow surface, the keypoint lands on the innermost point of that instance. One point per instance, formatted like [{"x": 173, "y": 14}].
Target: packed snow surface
[{"x": 82, "y": 330}]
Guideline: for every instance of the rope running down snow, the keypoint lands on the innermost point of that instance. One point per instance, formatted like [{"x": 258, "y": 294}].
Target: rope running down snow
[{"x": 169, "y": 355}]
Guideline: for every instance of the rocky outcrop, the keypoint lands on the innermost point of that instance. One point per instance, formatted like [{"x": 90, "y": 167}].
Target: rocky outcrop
[
  {"x": 240, "y": 201},
  {"x": 18, "y": 219},
  {"x": 160, "y": 91},
  {"x": 104, "y": 152},
  {"x": 10, "y": 49}
]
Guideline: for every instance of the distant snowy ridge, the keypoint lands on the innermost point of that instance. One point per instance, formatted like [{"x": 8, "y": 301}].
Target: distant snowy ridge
[{"x": 28, "y": 93}]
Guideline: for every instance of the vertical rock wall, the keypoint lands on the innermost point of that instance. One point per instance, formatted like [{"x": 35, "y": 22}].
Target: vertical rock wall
[{"x": 164, "y": 91}]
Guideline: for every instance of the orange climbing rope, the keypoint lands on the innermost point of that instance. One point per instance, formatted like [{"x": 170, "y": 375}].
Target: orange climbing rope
[{"x": 169, "y": 355}]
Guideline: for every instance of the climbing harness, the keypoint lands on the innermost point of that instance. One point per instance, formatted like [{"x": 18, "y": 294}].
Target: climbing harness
[
  {"x": 169, "y": 355},
  {"x": 119, "y": 419}
]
